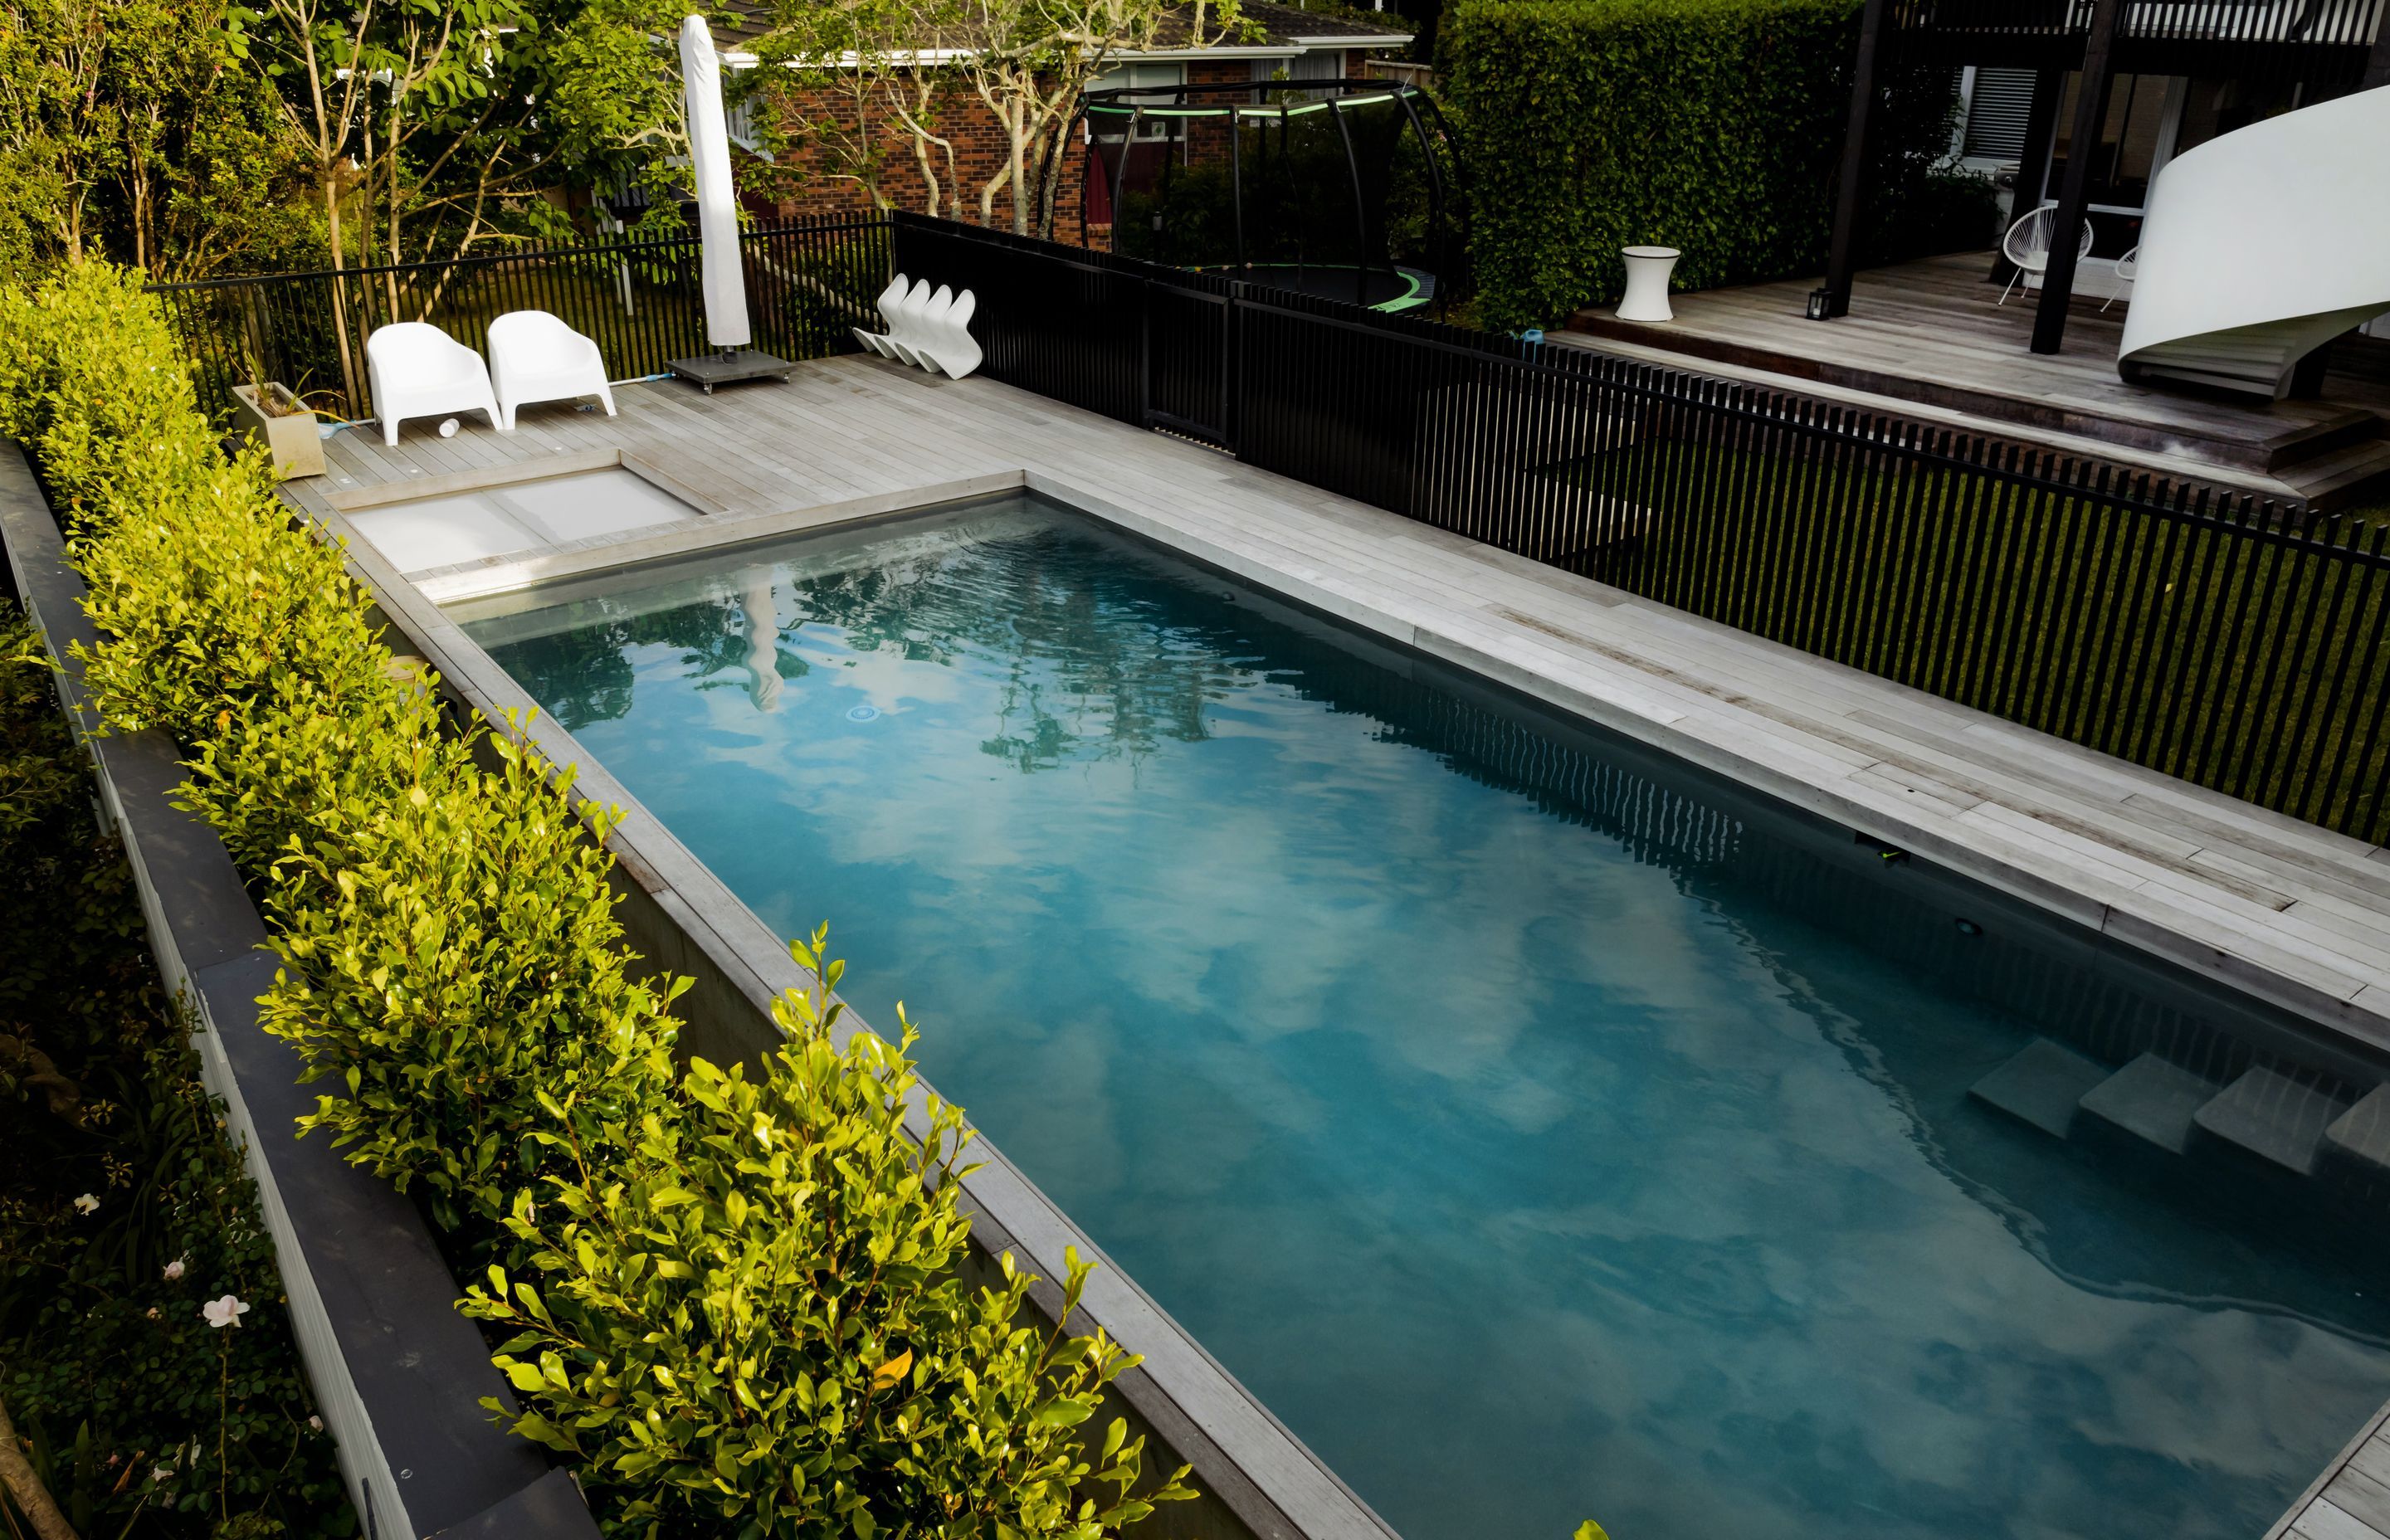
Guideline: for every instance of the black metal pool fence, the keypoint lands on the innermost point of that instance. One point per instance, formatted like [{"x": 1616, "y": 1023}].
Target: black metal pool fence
[
  {"x": 807, "y": 283},
  {"x": 2234, "y": 642}
]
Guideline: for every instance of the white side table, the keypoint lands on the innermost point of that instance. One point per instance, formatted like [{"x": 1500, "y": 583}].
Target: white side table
[{"x": 1647, "y": 283}]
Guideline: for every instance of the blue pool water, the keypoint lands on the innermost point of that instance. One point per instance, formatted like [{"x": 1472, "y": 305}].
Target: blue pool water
[{"x": 1542, "y": 1130}]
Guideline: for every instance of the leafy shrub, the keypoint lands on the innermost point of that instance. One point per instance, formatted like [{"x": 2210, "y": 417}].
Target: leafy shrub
[
  {"x": 141, "y": 1417},
  {"x": 452, "y": 965},
  {"x": 1710, "y": 125},
  {"x": 760, "y": 1318}
]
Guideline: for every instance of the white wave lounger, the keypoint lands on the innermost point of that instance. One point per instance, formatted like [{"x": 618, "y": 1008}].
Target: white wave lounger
[
  {"x": 534, "y": 356},
  {"x": 417, "y": 371}
]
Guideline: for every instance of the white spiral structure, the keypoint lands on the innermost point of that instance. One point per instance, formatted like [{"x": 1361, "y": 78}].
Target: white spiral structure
[{"x": 2262, "y": 245}]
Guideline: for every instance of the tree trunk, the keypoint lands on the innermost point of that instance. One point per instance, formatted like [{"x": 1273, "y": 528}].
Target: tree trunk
[{"x": 32, "y": 1497}]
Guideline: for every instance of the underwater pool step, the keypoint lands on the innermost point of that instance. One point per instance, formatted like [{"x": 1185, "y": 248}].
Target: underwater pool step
[
  {"x": 2043, "y": 1085},
  {"x": 2274, "y": 1117},
  {"x": 2154, "y": 1099},
  {"x": 2360, "y": 1139}
]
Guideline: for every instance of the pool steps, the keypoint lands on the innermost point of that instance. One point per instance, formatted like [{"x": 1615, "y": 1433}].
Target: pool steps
[{"x": 2320, "y": 1130}]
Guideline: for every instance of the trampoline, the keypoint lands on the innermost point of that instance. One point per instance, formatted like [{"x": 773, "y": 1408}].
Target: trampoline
[{"x": 1339, "y": 189}]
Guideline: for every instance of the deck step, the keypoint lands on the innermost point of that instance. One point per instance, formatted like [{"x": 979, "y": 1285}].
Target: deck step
[
  {"x": 2154, "y": 1099},
  {"x": 2043, "y": 1085},
  {"x": 2275, "y": 1117}
]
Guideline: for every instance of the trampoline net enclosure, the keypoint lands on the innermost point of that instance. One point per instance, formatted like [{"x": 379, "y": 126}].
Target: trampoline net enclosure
[{"x": 1337, "y": 188}]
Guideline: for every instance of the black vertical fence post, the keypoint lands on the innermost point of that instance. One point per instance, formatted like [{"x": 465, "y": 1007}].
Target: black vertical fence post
[{"x": 2235, "y": 644}]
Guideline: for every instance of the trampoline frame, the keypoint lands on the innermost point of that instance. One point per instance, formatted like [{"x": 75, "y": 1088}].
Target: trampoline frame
[{"x": 1294, "y": 98}]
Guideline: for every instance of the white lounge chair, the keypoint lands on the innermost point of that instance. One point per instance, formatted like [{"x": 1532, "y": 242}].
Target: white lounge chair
[
  {"x": 915, "y": 322},
  {"x": 2027, "y": 244},
  {"x": 417, "y": 371},
  {"x": 886, "y": 306},
  {"x": 534, "y": 356},
  {"x": 950, "y": 345}
]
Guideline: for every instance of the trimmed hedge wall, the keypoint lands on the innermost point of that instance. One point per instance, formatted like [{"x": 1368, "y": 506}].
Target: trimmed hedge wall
[
  {"x": 731, "y": 1300},
  {"x": 1710, "y": 125}
]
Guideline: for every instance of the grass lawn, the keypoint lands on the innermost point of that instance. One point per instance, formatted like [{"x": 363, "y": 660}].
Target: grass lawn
[{"x": 2249, "y": 658}]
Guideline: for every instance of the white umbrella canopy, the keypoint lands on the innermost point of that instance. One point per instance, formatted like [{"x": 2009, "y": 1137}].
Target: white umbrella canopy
[{"x": 717, "y": 204}]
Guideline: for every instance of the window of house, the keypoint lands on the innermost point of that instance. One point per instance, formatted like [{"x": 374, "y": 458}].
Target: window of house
[
  {"x": 1140, "y": 76},
  {"x": 1997, "y": 110}
]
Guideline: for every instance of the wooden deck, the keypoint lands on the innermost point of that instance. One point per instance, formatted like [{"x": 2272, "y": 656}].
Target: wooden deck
[
  {"x": 2350, "y": 1500},
  {"x": 2284, "y": 911},
  {"x": 1932, "y": 334}
]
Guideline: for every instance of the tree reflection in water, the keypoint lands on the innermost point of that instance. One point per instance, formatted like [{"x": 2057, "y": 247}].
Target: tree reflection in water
[{"x": 1092, "y": 666}]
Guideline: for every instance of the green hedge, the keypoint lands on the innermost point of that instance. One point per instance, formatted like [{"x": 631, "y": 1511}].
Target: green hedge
[
  {"x": 1710, "y": 125},
  {"x": 453, "y": 970}
]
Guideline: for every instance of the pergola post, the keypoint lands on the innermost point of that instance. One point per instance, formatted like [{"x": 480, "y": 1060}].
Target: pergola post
[
  {"x": 1841, "y": 255},
  {"x": 2066, "y": 233},
  {"x": 2033, "y": 162}
]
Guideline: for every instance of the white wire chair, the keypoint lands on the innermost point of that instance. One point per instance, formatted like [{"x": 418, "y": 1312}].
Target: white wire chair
[
  {"x": 2027, "y": 245},
  {"x": 2126, "y": 266}
]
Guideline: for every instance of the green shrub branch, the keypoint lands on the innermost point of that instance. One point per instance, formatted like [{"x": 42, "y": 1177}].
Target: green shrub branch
[
  {"x": 1712, "y": 127},
  {"x": 750, "y": 1317}
]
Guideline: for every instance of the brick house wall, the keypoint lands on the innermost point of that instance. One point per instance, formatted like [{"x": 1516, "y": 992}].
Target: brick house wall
[{"x": 802, "y": 184}]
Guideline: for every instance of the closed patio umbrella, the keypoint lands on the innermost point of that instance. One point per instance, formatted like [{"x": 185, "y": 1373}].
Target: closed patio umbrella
[
  {"x": 717, "y": 203},
  {"x": 717, "y": 222}
]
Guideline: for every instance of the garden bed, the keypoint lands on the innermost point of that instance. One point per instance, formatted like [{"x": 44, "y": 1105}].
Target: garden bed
[{"x": 399, "y": 1374}]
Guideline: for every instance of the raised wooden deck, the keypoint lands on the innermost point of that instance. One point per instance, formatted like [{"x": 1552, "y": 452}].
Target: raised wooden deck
[
  {"x": 1932, "y": 334},
  {"x": 2283, "y": 910}
]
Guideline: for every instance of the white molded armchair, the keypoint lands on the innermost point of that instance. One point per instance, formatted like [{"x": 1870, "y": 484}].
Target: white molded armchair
[
  {"x": 534, "y": 356},
  {"x": 2027, "y": 244},
  {"x": 417, "y": 371}
]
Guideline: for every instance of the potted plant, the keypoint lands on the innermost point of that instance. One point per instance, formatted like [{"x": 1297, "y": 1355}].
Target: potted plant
[{"x": 273, "y": 412}]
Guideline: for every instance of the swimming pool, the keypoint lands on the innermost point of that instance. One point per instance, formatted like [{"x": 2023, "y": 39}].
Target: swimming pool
[{"x": 1541, "y": 1129}]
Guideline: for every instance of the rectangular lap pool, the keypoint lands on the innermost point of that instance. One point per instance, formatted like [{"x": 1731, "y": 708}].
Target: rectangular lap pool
[{"x": 1542, "y": 1129}]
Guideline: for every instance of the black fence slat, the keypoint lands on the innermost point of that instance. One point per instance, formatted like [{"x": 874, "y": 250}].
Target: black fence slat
[{"x": 2208, "y": 635}]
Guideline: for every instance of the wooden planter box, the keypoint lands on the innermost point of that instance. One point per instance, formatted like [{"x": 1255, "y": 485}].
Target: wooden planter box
[{"x": 298, "y": 449}]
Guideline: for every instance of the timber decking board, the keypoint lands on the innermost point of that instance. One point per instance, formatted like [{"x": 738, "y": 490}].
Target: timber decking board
[{"x": 1933, "y": 331}]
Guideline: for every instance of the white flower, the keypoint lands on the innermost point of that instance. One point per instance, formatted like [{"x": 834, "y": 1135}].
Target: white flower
[
  {"x": 316, "y": 1423},
  {"x": 88, "y": 1204},
  {"x": 162, "y": 1473},
  {"x": 223, "y": 1312},
  {"x": 174, "y": 1268}
]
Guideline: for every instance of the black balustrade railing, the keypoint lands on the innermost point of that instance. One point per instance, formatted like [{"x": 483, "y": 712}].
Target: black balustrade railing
[
  {"x": 2236, "y": 643},
  {"x": 807, "y": 284},
  {"x": 2231, "y": 641}
]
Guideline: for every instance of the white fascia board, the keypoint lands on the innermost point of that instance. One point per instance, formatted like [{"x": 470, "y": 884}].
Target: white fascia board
[{"x": 740, "y": 60}]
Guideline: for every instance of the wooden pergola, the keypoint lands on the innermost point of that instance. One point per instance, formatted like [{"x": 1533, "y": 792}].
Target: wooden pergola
[{"x": 2330, "y": 46}]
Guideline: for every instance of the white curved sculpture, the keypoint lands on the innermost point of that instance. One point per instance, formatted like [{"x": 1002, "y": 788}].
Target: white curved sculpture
[
  {"x": 2263, "y": 245},
  {"x": 417, "y": 371},
  {"x": 534, "y": 356}
]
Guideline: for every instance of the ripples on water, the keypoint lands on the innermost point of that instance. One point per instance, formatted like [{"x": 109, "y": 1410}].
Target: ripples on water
[{"x": 1541, "y": 1131}]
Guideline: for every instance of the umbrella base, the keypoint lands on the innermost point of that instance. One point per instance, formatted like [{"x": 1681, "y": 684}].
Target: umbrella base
[{"x": 729, "y": 368}]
